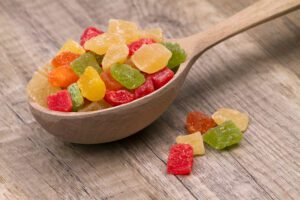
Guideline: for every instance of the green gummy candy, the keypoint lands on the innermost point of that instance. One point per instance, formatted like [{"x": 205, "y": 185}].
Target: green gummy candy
[
  {"x": 76, "y": 96},
  {"x": 223, "y": 136},
  {"x": 178, "y": 54},
  {"x": 87, "y": 59},
  {"x": 127, "y": 76},
  {"x": 99, "y": 58}
]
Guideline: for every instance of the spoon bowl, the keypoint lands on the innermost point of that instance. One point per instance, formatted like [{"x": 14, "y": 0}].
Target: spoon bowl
[
  {"x": 108, "y": 124},
  {"x": 122, "y": 121}
]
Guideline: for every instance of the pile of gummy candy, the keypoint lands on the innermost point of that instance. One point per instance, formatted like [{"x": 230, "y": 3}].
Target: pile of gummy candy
[
  {"x": 222, "y": 130},
  {"x": 106, "y": 69}
]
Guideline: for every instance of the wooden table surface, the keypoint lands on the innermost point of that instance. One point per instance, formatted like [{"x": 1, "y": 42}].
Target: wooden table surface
[{"x": 257, "y": 72}]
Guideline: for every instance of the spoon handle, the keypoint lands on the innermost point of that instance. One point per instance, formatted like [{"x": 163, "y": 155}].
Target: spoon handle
[{"x": 259, "y": 12}]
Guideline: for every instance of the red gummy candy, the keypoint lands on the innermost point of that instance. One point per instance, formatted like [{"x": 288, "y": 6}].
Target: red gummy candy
[
  {"x": 162, "y": 77},
  {"x": 60, "y": 101},
  {"x": 144, "y": 89},
  {"x": 89, "y": 33},
  {"x": 198, "y": 121},
  {"x": 180, "y": 159},
  {"x": 118, "y": 97},
  {"x": 134, "y": 46}
]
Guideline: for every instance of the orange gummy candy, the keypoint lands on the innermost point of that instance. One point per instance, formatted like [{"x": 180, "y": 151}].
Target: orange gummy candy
[
  {"x": 64, "y": 58},
  {"x": 62, "y": 76},
  {"x": 110, "y": 82},
  {"x": 199, "y": 121}
]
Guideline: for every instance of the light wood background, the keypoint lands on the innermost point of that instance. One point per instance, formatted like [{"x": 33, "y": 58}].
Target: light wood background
[{"x": 257, "y": 72}]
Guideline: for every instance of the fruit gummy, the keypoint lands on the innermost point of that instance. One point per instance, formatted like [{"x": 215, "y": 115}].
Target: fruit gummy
[
  {"x": 180, "y": 160},
  {"x": 222, "y": 136}
]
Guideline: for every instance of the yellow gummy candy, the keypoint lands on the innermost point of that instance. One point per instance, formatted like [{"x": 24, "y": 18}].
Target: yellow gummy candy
[
  {"x": 128, "y": 30},
  {"x": 151, "y": 58},
  {"x": 154, "y": 33},
  {"x": 72, "y": 46},
  {"x": 240, "y": 119},
  {"x": 115, "y": 54},
  {"x": 91, "y": 85},
  {"x": 195, "y": 140},
  {"x": 39, "y": 88},
  {"x": 101, "y": 43}
]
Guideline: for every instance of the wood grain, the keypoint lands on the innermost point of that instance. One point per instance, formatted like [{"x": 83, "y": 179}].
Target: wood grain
[{"x": 257, "y": 71}]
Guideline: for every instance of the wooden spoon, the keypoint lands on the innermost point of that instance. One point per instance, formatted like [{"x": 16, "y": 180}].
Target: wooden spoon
[{"x": 122, "y": 121}]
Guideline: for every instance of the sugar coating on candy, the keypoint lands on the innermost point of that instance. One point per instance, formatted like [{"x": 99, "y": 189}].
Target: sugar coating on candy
[
  {"x": 115, "y": 54},
  {"x": 240, "y": 119},
  {"x": 178, "y": 55},
  {"x": 128, "y": 30},
  {"x": 64, "y": 58},
  {"x": 162, "y": 77},
  {"x": 127, "y": 76},
  {"x": 39, "y": 88},
  {"x": 144, "y": 89},
  {"x": 134, "y": 46},
  {"x": 60, "y": 101},
  {"x": 199, "y": 121},
  {"x": 89, "y": 33},
  {"x": 154, "y": 33},
  {"x": 72, "y": 46},
  {"x": 101, "y": 43},
  {"x": 62, "y": 76},
  {"x": 94, "y": 106},
  {"x": 180, "y": 160},
  {"x": 222, "y": 136},
  {"x": 76, "y": 96},
  {"x": 195, "y": 140},
  {"x": 85, "y": 60},
  {"x": 151, "y": 58},
  {"x": 110, "y": 83},
  {"x": 91, "y": 85},
  {"x": 118, "y": 97}
]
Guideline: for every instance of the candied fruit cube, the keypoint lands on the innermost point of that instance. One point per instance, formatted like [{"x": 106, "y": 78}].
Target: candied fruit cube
[
  {"x": 223, "y": 136},
  {"x": 89, "y": 33},
  {"x": 144, "y": 89},
  {"x": 76, "y": 96},
  {"x": 162, "y": 77},
  {"x": 195, "y": 140},
  {"x": 39, "y": 88},
  {"x": 60, "y": 101},
  {"x": 151, "y": 58},
  {"x": 134, "y": 46},
  {"x": 198, "y": 121},
  {"x": 62, "y": 76},
  {"x": 110, "y": 83},
  {"x": 127, "y": 76},
  {"x": 91, "y": 85},
  {"x": 93, "y": 106},
  {"x": 154, "y": 33},
  {"x": 128, "y": 30},
  {"x": 101, "y": 43},
  {"x": 118, "y": 97},
  {"x": 115, "y": 54},
  {"x": 64, "y": 58},
  {"x": 72, "y": 46},
  {"x": 240, "y": 119},
  {"x": 178, "y": 55},
  {"x": 180, "y": 160},
  {"x": 99, "y": 58},
  {"x": 85, "y": 60}
]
